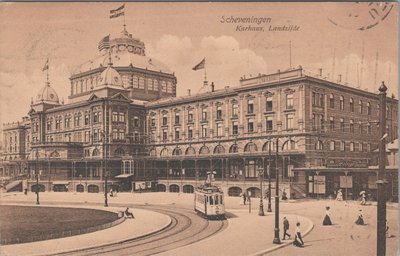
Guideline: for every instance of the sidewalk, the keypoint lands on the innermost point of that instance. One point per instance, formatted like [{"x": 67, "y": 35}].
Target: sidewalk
[{"x": 145, "y": 223}]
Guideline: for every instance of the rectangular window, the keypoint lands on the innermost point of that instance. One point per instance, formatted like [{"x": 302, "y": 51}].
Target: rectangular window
[
  {"x": 219, "y": 112},
  {"x": 289, "y": 101},
  {"x": 190, "y": 132},
  {"x": 87, "y": 119},
  {"x": 268, "y": 105},
  {"x": 289, "y": 122},
  {"x": 351, "y": 126},
  {"x": 136, "y": 122},
  {"x": 235, "y": 128},
  {"x": 250, "y": 125},
  {"x": 360, "y": 147},
  {"x": 250, "y": 107},
  {"x": 313, "y": 98},
  {"x": 121, "y": 117},
  {"x": 164, "y": 133},
  {"x": 204, "y": 131},
  {"x": 269, "y": 124},
  {"x": 164, "y": 119},
  {"x": 342, "y": 124},
  {"x": 331, "y": 101},
  {"x": 177, "y": 134},
  {"x": 204, "y": 114},
  {"x": 332, "y": 145},
  {"x": 313, "y": 123},
  {"x": 190, "y": 116},
  {"x": 235, "y": 110},
  {"x": 219, "y": 130},
  {"x": 153, "y": 121},
  {"x": 176, "y": 118},
  {"x": 342, "y": 146},
  {"x": 332, "y": 123}
]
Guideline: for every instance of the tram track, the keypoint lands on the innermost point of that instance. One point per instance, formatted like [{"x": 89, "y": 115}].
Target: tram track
[{"x": 186, "y": 228}]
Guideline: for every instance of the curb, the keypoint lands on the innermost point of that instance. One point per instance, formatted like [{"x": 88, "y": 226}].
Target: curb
[
  {"x": 114, "y": 242},
  {"x": 285, "y": 244}
]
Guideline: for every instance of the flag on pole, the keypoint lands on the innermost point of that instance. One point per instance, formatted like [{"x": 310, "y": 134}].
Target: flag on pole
[
  {"x": 46, "y": 65},
  {"x": 104, "y": 43},
  {"x": 117, "y": 12},
  {"x": 201, "y": 65}
]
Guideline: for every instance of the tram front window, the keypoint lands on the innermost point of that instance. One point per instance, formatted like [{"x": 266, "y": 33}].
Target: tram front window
[
  {"x": 211, "y": 200},
  {"x": 216, "y": 199},
  {"x": 221, "y": 200}
]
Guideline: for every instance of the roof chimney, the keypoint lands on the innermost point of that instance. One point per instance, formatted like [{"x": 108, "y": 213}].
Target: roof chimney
[
  {"x": 188, "y": 92},
  {"x": 340, "y": 78},
  {"x": 320, "y": 72},
  {"x": 212, "y": 86}
]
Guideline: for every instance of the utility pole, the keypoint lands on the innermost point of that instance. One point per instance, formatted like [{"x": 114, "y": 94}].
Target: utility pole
[
  {"x": 382, "y": 182},
  {"x": 276, "y": 236},
  {"x": 269, "y": 177}
]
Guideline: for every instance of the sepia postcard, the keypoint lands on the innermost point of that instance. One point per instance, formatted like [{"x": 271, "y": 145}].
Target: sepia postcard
[{"x": 199, "y": 128}]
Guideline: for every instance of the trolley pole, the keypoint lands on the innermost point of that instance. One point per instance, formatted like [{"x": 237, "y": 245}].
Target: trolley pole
[
  {"x": 382, "y": 182},
  {"x": 261, "y": 209},
  {"x": 276, "y": 235}
]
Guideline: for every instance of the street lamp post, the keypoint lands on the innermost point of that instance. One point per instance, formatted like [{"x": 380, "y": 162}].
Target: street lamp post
[
  {"x": 105, "y": 190},
  {"x": 269, "y": 178},
  {"x": 382, "y": 182},
  {"x": 37, "y": 185},
  {"x": 276, "y": 235},
  {"x": 261, "y": 209}
]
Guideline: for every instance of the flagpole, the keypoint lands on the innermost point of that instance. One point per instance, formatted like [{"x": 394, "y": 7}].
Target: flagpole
[{"x": 48, "y": 71}]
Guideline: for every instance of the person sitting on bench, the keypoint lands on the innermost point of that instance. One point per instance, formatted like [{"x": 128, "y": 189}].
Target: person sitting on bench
[{"x": 128, "y": 213}]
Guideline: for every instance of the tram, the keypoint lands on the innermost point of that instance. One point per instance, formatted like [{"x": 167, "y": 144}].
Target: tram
[{"x": 209, "y": 202}]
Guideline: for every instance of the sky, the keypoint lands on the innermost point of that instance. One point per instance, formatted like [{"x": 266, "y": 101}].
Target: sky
[{"x": 357, "y": 40}]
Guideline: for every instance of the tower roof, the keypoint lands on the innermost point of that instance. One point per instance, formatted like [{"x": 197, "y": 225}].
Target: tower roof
[
  {"x": 110, "y": 77},
  {"x": 47, "y": 95}
]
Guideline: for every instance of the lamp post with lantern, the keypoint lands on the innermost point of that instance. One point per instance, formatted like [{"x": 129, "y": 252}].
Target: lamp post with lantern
[{"x": 261, "y": 208}]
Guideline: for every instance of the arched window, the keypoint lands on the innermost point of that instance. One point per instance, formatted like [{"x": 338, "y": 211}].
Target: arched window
[
  {"x": 351, "y": 146},
  {"x": 119, "y": 152},
  {"x": 219, "y": 149},
  {"x": 177, "y": 152},
  {"x": 234, "y": 149},
  {"x": 204, "y": 150},
  {"x": 190, "y": 151},
  {"x": 319, "y": 145},
  {"x": 289, "y": 145},
  {"x": 153, "y": 152},
  {"x": 95, "y": 152},
  {"x": 250, "y": 147},
  {"x": 266, "y": 146},
  {"x": 164, "y": 152}
]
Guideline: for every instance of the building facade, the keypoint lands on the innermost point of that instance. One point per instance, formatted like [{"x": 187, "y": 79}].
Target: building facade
[{"x": 124, "y": 122}]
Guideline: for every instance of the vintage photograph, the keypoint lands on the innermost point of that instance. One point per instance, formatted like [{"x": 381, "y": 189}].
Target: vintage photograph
[{"x": 199, "y": 128}]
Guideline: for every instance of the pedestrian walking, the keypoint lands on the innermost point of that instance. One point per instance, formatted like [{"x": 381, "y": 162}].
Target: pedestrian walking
[
  {"x": 285, "y": 228},
  {"x": 363, "y": 198},
  {"x": 298, "y": 241},
  {"x": 244, "y": 198},
  {"x": 360, "y": 219},
  {"x": 284, "y": 195},
  {"x": 327, "y": 220},
  {"x": 339, "y": 196}
]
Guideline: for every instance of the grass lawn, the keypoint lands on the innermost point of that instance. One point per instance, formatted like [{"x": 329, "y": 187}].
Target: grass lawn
[{"x": 26, "y": 221}]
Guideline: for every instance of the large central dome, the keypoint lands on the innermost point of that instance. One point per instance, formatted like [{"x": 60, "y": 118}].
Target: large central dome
[{"x": 125, "y": 51}]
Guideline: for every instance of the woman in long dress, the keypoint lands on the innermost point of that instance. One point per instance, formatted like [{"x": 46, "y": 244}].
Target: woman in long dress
[
  {"x": 339, "y": 196},
  {"x": 298, "y": 241},
  {"x": 360, "y": 219},
  {"x": 327, "y": 220}
]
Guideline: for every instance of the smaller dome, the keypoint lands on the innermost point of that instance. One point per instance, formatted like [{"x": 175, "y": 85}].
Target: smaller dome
[
  {"x": 110, "y": 77},
  {"x": 47, "y": 95}
]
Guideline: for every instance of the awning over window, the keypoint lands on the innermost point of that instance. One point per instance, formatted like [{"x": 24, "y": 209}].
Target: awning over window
[{"x": 126, "y": 175}]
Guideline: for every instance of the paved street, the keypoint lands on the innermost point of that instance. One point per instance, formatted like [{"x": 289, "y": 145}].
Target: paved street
[{"x": 250, "y": 234}]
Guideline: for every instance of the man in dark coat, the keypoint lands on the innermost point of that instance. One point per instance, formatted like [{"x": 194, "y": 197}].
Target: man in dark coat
[{"x": 285, "y": 228}]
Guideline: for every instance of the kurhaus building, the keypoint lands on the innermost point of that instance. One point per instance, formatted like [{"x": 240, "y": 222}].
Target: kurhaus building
[{"x": 124, "y": 122}]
